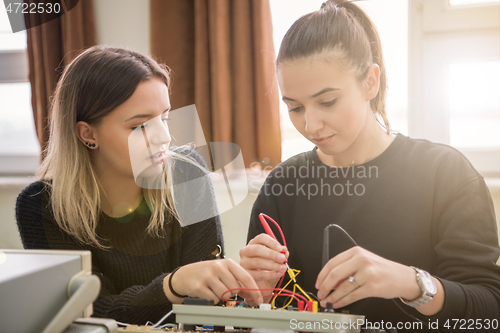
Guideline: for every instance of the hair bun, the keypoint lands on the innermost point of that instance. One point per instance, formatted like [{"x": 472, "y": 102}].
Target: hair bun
[{"x": 335, "y": 3}]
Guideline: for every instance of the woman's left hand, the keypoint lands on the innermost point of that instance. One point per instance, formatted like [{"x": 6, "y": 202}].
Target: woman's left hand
[{"x": 373, "y": 276}]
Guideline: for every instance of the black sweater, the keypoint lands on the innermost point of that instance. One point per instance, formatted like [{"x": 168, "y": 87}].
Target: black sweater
[
  {"x": 423, "y": 205},
  {"x": 132, "y": 271}
]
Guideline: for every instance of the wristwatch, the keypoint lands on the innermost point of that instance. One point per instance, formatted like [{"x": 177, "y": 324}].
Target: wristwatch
[{"x": 427, "y": 286}]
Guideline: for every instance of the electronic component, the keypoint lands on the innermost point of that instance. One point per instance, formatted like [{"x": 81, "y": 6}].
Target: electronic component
[
  {"x": 54, "y": 287},
  {"x": 273, "y": 319},
  {"x": 231, "y": 304},
  {"x": 265, "y": 306},
  {"x": 329, "y": 307}
]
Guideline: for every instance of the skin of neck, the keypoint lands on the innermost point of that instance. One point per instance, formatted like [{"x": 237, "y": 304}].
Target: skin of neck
[
  {"x": 371, "y": 141},
  {"x": 119, "y": 195}
]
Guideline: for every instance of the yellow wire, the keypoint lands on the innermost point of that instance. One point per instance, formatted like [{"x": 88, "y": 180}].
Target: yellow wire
[
  {"x": 292, "y": 276},
  {"x": 303, "y": 292},
  {"x": 292, "y": 273},
  {"x": 279, "y": 292},
  {"x": 291, "y": 298}
]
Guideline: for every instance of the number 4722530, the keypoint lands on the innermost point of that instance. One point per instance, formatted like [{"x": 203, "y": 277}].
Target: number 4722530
[
  {"x": 33, "y": 8},
  {"x": 471, "y": 324}
]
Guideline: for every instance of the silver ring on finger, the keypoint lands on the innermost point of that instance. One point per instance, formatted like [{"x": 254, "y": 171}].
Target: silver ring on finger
[{"x": 351, "y": 279}]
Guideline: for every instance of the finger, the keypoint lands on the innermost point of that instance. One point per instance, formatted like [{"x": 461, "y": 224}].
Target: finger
[
  {"x": 230, "y": 282},
  {"x": 218, "y": 288},
  {"x": 354, "y": 296},
  {"x": 335, "y": 277},
  {"x": 245, "y": 280},
  {"x": 263, "y": 252},
  {"x": 265, "y": 275},
  {"x": 262, "y": 264},
  {"x": 204, "y": 291},
  {"x": 340, "y": 292},
  {"x": 332, "y": 263},
  {"x": 246, "y": 295},
  {"x": 268, "y": 241}
]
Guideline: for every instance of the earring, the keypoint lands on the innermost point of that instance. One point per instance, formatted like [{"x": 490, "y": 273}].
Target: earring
[{"x": 90, "y": 145}]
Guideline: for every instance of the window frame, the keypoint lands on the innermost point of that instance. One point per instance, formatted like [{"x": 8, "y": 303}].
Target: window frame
[
  {"x": 14, "y": 69},
  {"x": 436, "y": 25}
]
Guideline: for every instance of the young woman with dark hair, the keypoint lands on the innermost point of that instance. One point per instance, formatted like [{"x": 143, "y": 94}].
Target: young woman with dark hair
[
  {"x": 89, "y": 194},
  {"x": 421, "y": 214}
]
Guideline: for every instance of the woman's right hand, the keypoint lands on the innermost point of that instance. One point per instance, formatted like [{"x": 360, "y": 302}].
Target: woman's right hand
[
  {"x": 210, "y": 279},
  {"x": 263, "y": 258}
]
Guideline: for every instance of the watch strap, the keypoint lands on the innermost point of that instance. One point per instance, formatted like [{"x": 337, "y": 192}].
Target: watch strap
[{"x": 424, "y": 298}]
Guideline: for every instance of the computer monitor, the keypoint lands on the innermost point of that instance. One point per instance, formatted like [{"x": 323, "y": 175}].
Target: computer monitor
[{"x": 45, "y": 290}]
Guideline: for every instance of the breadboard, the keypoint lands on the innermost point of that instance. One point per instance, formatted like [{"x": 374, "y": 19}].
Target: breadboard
[
  {"x": 148, "y": 329},
  {"x": 269, "y": 319}
]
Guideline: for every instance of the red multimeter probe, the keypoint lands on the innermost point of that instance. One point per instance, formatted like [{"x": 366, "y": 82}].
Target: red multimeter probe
[{"x": 268, "y": 230}]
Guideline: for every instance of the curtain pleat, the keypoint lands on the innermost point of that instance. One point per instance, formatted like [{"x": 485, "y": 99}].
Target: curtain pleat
[
  {"x": 221, "y": 53},
  {"x": 51, "y": 46}
]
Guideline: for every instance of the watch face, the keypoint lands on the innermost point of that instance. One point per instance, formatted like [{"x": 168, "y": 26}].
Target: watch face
[{"x": 428, "y": 282}]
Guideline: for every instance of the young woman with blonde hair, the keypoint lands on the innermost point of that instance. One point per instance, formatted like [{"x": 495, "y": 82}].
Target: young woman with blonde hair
[
  {"x": 421, "y": 215},
  {"x": 89, "y": 194}
]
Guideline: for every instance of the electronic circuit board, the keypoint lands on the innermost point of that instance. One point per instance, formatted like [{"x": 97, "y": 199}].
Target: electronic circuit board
[
  {"x": 303, "y": 321},
  {"x": 149, "y": 329}
]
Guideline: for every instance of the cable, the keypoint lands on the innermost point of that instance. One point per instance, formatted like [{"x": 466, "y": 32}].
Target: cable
[
  {"x": 313, "y": 296},
  {"x": 290, "y": 271},
  {"x": 287, "y": 292},
  {"x": 325, "y": 252},
  {"x": 295, "y": 272},
  {"x": 268, "y": 230},
  {"x": 167, "y": 325},
  {"x": 281, "y": 289},
  {"x": 162, "y": 319},
  {"x": 122, "y": 324},
  {"x": 345, "y": 232}
]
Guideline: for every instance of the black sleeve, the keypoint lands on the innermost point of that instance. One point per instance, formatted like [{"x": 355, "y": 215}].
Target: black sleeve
[
  {"x": 198, "y": 212},
  {"x": 134, "y": 305},
  {"x": 466, "y": 254},
  {"x": 200, "y": 240},
  {"x": 465, "y": 242}
]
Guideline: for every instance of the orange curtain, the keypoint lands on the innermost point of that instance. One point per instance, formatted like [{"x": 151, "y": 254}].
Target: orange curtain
[
  {"x": 51, "y": 46},
  {"x": 222, "y": 56}
]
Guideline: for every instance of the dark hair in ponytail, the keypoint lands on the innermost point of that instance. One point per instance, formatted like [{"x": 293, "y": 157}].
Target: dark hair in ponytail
[{"x": 342, "y": 28}]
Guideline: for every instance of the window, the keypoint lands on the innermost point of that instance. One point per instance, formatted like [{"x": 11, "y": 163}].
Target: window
[
  {"x": 19, "y": 147},
  {"x": 391, "y": 20},
  {"x": 474, "y": 108},
  {"x": 455, "y": 75},
  {"x": 472, "y": 2}
]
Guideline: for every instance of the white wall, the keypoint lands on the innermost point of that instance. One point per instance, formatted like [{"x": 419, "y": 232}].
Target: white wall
[
  {"x": 123, "y": 23},
  {"x": 10, "y": 187}
]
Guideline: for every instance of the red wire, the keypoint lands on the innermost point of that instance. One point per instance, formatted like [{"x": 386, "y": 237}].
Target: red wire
[
  {"x": 277, "y": 226},
  {"x": 262, "y": 218},
  {"x": 279, "y": 288}
]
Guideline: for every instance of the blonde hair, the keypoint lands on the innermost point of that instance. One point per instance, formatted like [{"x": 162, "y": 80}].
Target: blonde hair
[{"x": 91, "y": 86}]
